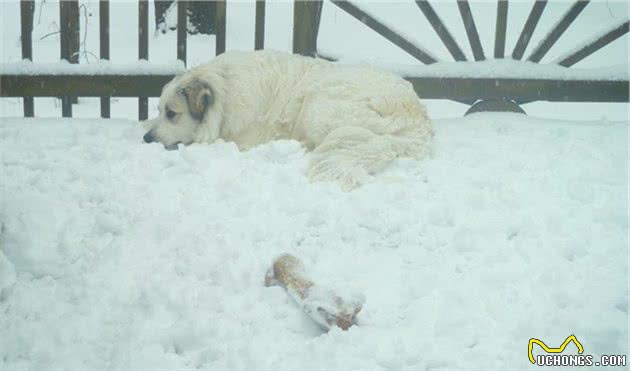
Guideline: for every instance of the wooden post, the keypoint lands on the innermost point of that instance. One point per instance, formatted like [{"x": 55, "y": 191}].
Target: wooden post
[
  {"x": 27, "y": 8},
  {"x": 259, "y": 35},
  {"x": 182, "y": 22},
  {"x": 441, "y": 30},
  {"x": 69, "y": 48},
  {"x": 306, "y": 15},
  {"x": 411, "y": 48},
  {"x": 501, "y": 27},
  {"x": 595, "y": 45},
  {"x": 220, "y": 23},
  {"x": 103, "y": 16},
  {"x": 557, "y": 31},
  {"x": 143, "y": 51},
  {"x": 528, "y": 28},
  {"x": 471, "y": 29}
]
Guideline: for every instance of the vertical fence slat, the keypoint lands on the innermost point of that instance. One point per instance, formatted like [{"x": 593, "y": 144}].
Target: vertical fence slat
[
  {"x": 557, "y": 31},
  {"x": 471, "y": 29},
  {"x": 143, "y": 51},
  {"x": 182, "y": 25},
  {"x": 220, "y": 23},
  {"x": 441, "y": 30},
  {"x": 69, "y": 43},
  {"x": 594, "y": 46},
  {"x": 103, "y": 19},
  {"x": 259, "y": 35},
  {"x": 501, "y": 28},
  {"x": 528, "y": 29},
  {"x": 27, "y": 8},
  {"x": 306, "y": 14},
  {"x": 143, "y": 29}
]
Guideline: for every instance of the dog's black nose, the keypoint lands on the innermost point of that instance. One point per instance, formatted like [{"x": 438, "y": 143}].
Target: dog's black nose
[{"x": 148, "y": 138}]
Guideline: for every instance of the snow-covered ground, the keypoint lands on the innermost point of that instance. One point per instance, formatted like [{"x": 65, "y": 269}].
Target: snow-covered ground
[
  {"x": 121, "y": 255},
  {"x": 115, "y": 254}
]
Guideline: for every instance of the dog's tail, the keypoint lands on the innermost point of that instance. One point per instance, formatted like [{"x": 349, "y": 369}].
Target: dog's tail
[{"x": 349, "y": 155}]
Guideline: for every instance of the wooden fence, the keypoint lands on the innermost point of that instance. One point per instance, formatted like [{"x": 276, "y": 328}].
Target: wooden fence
[
  {"x": 104, "y": 86},
  {"x": 482, "y": 93},
  {"x": 502, "y": 93}
]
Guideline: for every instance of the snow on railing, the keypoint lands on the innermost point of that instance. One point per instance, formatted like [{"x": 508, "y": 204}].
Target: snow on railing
[
  {"x": 497, "y": 69},
  {"x": 501, "y": 79},
  {"x": 69, "y": 49},
  {"x": 593, "y": 44},
  {"x": 103, "y": 67},
  {"x": 504, "y": 81}
]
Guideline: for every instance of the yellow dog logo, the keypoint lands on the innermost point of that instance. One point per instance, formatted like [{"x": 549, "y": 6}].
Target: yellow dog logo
[{"x": 560, "y": 349}]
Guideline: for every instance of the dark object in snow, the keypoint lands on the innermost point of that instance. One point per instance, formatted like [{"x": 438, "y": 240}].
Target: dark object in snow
[
  {"x": 69, "y": 45},
  {"x": 201, "y": 16},
  {"x": 495, "y": 105},
  {"x": 323, "y": 306}
]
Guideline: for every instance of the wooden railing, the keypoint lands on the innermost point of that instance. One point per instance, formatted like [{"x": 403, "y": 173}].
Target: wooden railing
[
  {"x": 507, "y": 93},
  {"x": 501, "y": 92},
  {"x": 105, "y": 86}
]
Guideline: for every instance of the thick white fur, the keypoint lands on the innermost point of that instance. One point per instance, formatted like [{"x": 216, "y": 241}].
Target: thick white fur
[{"x": 354, "y": 120}]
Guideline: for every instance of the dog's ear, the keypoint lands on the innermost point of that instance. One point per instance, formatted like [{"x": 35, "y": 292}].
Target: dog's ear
[{"x": 199, "y": 97}]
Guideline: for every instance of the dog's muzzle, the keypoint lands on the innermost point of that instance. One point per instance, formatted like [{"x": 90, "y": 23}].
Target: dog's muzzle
[{"x": 149, "y": 138}]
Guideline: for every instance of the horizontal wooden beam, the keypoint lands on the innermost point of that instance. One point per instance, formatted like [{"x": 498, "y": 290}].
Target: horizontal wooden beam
[
  {"x": 83, "y": 86},
  {"x": 459, "y": 88},
  {"x": 455, "y": 88}
]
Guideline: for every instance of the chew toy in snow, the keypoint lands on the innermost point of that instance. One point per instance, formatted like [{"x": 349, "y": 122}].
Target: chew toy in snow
[{"x": 324, "y": 306}]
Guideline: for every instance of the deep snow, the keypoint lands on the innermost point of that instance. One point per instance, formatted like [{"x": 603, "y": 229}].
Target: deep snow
[{"x": 121, "y": 255}]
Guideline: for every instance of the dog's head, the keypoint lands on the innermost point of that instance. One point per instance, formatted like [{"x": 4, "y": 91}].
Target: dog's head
[{"x": 188, "y": 113}]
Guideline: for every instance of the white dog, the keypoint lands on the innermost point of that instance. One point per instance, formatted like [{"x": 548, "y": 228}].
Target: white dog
[{"x": 354, "y": 120}]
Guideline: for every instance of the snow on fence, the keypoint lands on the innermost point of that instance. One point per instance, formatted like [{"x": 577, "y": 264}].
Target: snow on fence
[
  {"x": 500, "y": 92},
  {"x": 502, "y": 84},
  {"x": 143, "y": 80}
]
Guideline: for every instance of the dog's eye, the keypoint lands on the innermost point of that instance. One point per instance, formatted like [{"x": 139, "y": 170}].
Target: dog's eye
[{"x": 170, "y": 114}]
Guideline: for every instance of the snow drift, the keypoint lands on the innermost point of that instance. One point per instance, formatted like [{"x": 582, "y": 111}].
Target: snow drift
[{"x": 119, "y": 255}]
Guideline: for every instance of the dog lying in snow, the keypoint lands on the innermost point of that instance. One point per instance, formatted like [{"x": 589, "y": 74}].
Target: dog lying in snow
[{"x": 352, "y": 120}]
